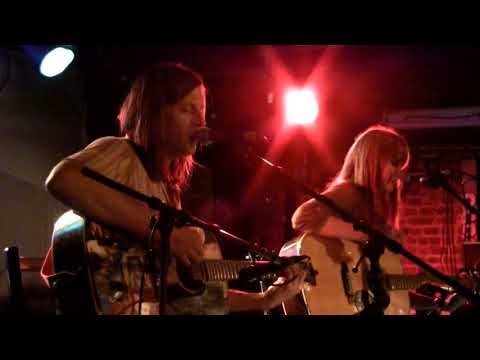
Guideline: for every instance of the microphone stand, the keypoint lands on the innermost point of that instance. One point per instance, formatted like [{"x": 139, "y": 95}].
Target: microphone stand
[
  {"x": 373, "y": 250},
  {"x": 170, "y": 217},
  {"x": 374, "y": 247},
  {"x": 437, "y": 179},
  {"x": 260, "y": 281}
]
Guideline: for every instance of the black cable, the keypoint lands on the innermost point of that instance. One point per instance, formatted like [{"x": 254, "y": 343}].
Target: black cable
[
  {"x": 466, "y": 222},
  {"x": 447, "y": 234},
  {"x": 147, "y": 260},
  {"x": 443, "y": 243},
  {"x": 452, "y": 237},
  {"x": 449, "y": 237},
  {"x": 447, "y": 251}
]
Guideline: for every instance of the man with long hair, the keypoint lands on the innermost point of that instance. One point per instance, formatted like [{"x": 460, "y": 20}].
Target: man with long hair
[{"x": 159, "y": 120}]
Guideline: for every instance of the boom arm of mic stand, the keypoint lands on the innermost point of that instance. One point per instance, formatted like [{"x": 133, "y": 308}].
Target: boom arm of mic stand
[
  {"x": 390, "y": 244},
  {"x": 180, "y": 217}
]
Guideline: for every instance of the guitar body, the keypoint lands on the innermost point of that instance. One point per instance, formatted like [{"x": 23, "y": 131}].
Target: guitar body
[
  {"x": 97, "y": 272},
  {"x": 338, "y": 290},
  {"x": 73, "y": 282}
]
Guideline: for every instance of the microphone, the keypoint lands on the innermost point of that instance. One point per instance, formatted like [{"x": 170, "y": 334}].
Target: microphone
[
  {"x": 437, "y": 178},
  {"x": 270, "y": 270},
  {"x": 203, "y": 135}
]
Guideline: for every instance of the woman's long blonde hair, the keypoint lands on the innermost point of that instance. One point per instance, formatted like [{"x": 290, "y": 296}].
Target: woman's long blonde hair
[{"x": 363, "y": 167}]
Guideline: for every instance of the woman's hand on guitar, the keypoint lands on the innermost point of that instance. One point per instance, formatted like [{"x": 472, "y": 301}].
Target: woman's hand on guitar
[
  {"x": 186, "y": 244},
  {"x": 286, "y": 287}
]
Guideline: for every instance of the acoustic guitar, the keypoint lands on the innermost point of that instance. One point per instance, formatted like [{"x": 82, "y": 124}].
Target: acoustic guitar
[
  {"x": 97, "y": 270},
  {"x": 338, "y": 290}
]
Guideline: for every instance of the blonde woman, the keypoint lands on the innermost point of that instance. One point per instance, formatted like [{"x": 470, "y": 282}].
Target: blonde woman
[{"x": 367, "y": 186}]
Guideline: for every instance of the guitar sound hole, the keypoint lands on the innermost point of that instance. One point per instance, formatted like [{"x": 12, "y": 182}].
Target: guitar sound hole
[{"x": 195, "y": 287}]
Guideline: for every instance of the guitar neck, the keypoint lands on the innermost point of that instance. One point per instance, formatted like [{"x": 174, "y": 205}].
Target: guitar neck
[
  {"x": 405, "y": 282},
  {"x": 220, "y": 270}
]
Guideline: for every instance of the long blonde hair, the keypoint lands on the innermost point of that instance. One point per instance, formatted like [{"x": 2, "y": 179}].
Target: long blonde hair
[
  {"x": 158, "y": 86},
  {"x": 363, "y": 166}
]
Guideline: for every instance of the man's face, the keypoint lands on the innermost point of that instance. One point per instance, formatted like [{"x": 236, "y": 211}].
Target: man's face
[{"x": 181, "y": 121}]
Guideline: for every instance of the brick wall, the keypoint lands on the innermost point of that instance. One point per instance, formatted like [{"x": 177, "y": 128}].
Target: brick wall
[{"x": 434, "y": 223}]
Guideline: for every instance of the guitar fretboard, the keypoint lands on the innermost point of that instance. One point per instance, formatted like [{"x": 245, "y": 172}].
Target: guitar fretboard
[
  {"x": 406, "y": 282},
  {"x": 219, "y": 270}
]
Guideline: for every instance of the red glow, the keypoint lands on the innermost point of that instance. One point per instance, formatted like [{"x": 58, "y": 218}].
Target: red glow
[
  {"x": 319, "y": 83},
  {"x": 301, "y": 107}
]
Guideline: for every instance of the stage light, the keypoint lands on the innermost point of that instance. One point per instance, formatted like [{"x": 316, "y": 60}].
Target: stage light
[
  {"x": 301, "y": 107},
  {"x": 51, "y": 60},
  {"x": 56, "y": 61}
]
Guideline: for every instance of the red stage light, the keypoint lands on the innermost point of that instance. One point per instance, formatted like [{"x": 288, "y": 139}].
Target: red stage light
[{"x": 301, "y": 107}]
